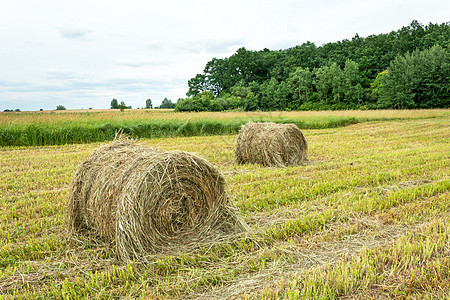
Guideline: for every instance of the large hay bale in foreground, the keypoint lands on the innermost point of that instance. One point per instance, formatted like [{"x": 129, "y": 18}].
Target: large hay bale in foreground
[
  {"x": 270, "y": 144},
  {"x": 146, "y": 201}
]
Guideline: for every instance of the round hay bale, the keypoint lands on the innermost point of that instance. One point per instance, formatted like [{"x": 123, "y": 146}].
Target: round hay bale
[
  {"x": 271, "y": 144},
  {"x": 146, "y": 201}
]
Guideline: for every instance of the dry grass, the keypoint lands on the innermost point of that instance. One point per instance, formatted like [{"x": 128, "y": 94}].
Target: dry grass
[
  {"x": 109, "y": 115},
  {"x": 146, "y": 201},
  {"x": 270, "y": 144},
  {"x": 367, "y": 218}
]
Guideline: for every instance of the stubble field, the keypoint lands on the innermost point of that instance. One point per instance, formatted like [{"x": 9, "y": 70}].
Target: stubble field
[{"x": 367, "y": 217}]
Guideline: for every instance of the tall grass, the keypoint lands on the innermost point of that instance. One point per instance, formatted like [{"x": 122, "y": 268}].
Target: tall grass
[
  {"x": 72, "y": 127},
  {"x": 88, "y": 131}
]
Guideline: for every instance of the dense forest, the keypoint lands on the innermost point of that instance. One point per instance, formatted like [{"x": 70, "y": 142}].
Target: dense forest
[{"x": 404, "y": 69}]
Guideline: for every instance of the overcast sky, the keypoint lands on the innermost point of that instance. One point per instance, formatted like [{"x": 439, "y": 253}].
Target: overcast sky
[{"x": 81, "y": 53}]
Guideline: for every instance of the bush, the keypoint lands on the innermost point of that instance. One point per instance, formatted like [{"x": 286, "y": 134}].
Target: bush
[{"x": 202, "y": 102}]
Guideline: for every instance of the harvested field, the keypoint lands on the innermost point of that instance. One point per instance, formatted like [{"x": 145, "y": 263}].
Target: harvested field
[{"x": 367, "y": 217}]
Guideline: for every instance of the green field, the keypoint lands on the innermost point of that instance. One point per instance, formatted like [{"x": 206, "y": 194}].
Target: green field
[
  {"x": 367, "y": 217},
  {"x": 72, "y": 127}
]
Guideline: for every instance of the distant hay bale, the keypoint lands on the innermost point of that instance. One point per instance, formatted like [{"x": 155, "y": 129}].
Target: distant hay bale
[
  {"x": 270, "y": 144},
  {"x": 146, "y": 201}
]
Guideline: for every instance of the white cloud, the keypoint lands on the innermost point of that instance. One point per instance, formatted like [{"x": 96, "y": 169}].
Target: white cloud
[{"x": 140, "y": 64}]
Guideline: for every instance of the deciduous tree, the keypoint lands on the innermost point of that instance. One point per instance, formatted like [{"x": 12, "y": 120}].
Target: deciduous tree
[
  {"x": 114, "y": 104},
  {"x": 148, "y": 103},
  {"x": 417, "y": 80}
]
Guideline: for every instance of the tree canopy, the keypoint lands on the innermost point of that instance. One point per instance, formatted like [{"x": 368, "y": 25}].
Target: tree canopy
[
  {"x": 417, "y": 80},
  {"x": 364, "y": 72},
  {"x": 167, "y": 103},
  {"x": 148, "y": 103},
  {"x": 114, "y": 104}
]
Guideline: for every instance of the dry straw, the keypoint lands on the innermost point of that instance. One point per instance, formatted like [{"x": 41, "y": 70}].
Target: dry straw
[
  {"x": 270, "y": 144},
  {"x": 146, "y": 201}
]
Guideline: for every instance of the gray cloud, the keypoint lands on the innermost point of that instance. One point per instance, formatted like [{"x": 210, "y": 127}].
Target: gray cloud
[
  {"x": 141, "y": 85},
  {"x": 63, "y": 75},
  {"x": 5, "y": 84},
  {"x": 85, "y": 93},
  {"x": 28, "y": 87},
  {"x": 155, "y": 45},
  {"x": 72, "y": 32}
]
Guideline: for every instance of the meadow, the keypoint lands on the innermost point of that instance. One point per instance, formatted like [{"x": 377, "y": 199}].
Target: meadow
[
  {"x": 69, "y": 127},
  {"x": 367, "y": 217}
]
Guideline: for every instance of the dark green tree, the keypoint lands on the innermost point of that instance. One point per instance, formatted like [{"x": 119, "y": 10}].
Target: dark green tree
[
  {"x": 417, "y": 80},
  {"x": 217, "y": 76},
  {"x": 328, "y": 83},
  {"x": 60, "y": 107},
  {"x": 269, "y": 100},
  {"x": 123, "y": 106},
  {"x": 301, "y": 81},
  {"x": 284, "y": 96},
  {"x": 247, "y": 66},
  {"x": 196, "y": 85},
  {"x": 240, "y": 90},
  {"x": 202, "y": 102},
  {"x": 167, "y": 103},
  {"x": 114, "y": 104},
  {"x": 250, "y": 102},
  {"x": 352, "y": 90},
  {"x": 148, "y": 103}
]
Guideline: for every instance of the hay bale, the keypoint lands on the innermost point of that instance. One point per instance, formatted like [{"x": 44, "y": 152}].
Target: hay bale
[
  {"x": 270, "y": 144},
  {"x": 146, "y": 201}
]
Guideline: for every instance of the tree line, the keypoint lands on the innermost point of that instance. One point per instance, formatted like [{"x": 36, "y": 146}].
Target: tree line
[
  {"x": 404, "y": 69},
  {"x": 166, "y": 103}
]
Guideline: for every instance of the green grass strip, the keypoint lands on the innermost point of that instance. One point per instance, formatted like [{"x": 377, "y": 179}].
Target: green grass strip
[{"x": 76, "y": 133}]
